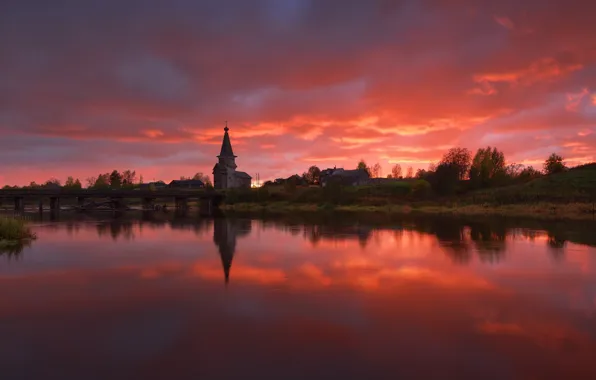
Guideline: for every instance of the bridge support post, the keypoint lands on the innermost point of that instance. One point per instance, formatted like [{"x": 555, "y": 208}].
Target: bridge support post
[
  {"x": 181, "y": 203},
  {"x": 40, "y": 205},
  {"x": 148, "y": 204},
  {"x": 81, "y": 202},
  {"x": 117, "y": 203},
  {"x": 54, "y": 203},
  {"x": 206, "y": 206},
  {"x": 19, "y": 204}
]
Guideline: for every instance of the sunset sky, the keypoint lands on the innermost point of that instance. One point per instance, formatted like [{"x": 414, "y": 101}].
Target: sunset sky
[{"x": 91, "y": 86}]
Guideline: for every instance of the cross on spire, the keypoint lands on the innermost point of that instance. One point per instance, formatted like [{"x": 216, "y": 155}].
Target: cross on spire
[{"x": 226, "y": 128}]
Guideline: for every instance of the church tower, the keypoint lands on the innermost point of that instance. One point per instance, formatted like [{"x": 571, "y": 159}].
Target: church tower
[{"x": 225, "y": 175}]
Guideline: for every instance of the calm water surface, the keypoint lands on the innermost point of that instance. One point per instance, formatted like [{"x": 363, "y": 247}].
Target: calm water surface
[{"x": 164, "y": 296}]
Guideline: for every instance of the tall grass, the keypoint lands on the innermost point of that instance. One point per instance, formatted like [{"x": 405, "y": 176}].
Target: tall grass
[{"x": 12, "y": 229}]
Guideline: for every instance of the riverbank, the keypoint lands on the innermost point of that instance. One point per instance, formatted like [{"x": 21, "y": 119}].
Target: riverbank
[{"x": 550, "y": 211}]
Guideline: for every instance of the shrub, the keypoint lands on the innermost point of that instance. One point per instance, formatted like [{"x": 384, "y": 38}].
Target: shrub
[
  {"x": 421, "y": 188},
  {"x": 14, "y": 230}
]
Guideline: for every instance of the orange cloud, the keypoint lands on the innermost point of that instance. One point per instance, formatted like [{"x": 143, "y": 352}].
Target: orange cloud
[{"x": 541, "y": 70}]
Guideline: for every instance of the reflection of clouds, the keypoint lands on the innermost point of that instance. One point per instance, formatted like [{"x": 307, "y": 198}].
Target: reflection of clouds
[{"x": 393, "y": 301}]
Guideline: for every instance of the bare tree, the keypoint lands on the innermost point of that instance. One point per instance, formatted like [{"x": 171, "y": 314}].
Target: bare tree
[
  {"x": 396, "y": 171},
  {"x": 375, "y": 170}
]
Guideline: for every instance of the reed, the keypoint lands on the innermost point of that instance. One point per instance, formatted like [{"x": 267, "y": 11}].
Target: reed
[{"x": 14, "y": 230}]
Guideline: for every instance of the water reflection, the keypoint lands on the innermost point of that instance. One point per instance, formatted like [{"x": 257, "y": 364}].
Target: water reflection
[
  {"x": 334, "y": 297},
  {"x": 460, "y": 238},
  {"x": 13, "y": 250},
  {"x": 225, "y": 233}
]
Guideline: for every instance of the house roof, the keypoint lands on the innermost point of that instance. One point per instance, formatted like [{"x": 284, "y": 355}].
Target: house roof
[
  {"x": 187, "y": 182},
  {"x": 242, "y": 175},
  {"x": 350, "y": 173},
  {"x": 226, "y": 145}
]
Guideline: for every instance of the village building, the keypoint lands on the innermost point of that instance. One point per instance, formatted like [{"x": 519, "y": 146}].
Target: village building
[
  {"x": 157, "y": 185},
  {"x": 356, "y": 177},
  {"x": 187, "y": 184},
  {"x": 225, "y": 175}
]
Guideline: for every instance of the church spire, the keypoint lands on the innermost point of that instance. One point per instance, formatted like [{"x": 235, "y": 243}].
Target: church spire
[{"x": 226, "y": 145}]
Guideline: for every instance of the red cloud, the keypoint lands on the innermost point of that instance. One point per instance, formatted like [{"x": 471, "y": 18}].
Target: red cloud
[{"x": 319, "y": 90}]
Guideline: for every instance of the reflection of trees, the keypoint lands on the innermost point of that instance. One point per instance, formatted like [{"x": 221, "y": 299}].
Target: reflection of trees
[
  {"x": 225, "y": 233},
  {"x": 124, "y": 226},
  {"x": 14, "y": 250},
  {"x": 451, "y": 237},
  {"x": 116, "y": 229},
  {"x": 458, "y": 237},
  {"x": 313, "y": 234},
  {"x": 490, "y": 240},
  {"x": 556, "y": 241},
  {"x": 316, "y": 233}
]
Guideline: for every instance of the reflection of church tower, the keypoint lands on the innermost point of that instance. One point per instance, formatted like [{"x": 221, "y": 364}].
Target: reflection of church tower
[
  {"x": 224, "y": 236},
  {"x": 225, "y": 232}
]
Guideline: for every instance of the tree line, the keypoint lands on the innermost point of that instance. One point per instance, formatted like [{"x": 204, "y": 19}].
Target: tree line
[
  {"x": 127, "y": 179},
  {"x": 486, "y": 168}
]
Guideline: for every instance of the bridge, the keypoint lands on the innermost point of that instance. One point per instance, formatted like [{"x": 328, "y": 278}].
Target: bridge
[{"x": 113, "y": 198}]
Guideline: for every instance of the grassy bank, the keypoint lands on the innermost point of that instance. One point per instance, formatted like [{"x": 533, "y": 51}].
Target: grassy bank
[
  {"x": 567, "y": 195},
  {"x": 14, "y": 231},
  {"x": 554, "y": 211}
]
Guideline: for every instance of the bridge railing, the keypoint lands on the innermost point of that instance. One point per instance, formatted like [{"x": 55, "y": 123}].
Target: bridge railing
[{"x": 107, "y": 193}]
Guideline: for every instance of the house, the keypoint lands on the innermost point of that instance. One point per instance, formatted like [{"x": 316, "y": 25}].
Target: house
[
  {"x": 157, "y": 185},
  {"x": 187, "y": 184},
  {"x": 356, "y": 177},
  {"x": 225, "y": 175}
]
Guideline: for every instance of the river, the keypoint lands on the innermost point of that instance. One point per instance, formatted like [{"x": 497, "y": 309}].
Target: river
[{"x": 180, "y": 296}]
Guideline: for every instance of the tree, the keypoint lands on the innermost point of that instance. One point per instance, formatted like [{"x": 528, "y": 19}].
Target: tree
[
  {"x": 421, "y": 173},
  {"x": 458, "y": 158},
  {"x": 91, "y": 181},
  {"x": 396, "y": 171},
  {"x": 488, "y": 164},
  {"x": 52, "y": 182},
  {"x": 141, "y": 179},
  {"x": 362, "y": 165},
  {"x": 203, "y": 178},
  {"x": 410, "y": 173},
  {"x": 375, "y": 170},
  {"x": 71, "y": 183},
  {"x": 101, "y": 181},
  {"x": 528, "y": 174},
  {"x": 554, "y": 164},
  {"x": 313, "y": 176},
  {"x": 129, "y": 177},
  {"x": 115, "y": 179},
  {"x": 445, "y": 179}
]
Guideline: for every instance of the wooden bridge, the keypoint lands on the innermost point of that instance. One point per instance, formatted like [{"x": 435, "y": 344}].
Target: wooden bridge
[{"x": 113, "y": 198}]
